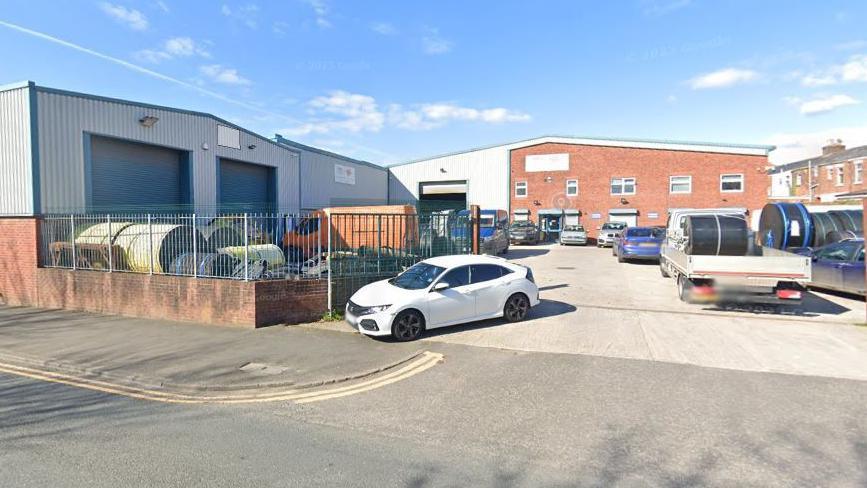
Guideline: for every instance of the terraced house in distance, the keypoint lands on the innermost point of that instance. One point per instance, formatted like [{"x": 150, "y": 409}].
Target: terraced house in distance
[
  {"x": 836, "y": 174},
  {"x": 558, "y": 180}
]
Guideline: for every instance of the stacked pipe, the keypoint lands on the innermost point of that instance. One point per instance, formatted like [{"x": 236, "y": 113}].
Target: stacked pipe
[
  {"x": 716, "y": 235},
  {"x": 795, "y": 225}
]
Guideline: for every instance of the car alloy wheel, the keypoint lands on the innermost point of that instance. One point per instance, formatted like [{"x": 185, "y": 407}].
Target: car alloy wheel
[
  {"x": 516, "y": 308},
  {"x": 407, "y": 326}
]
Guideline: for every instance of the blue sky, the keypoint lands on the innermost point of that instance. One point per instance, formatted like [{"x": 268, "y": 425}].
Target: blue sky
[{"x": 392, "y": 81}]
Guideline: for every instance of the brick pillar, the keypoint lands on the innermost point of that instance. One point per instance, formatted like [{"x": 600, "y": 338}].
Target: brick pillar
[
  {"x": 19, "y": 258},
  {"x": 475, "y": 216}
]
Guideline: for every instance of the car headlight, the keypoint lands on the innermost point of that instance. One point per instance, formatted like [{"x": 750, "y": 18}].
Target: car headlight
[{"x": 378, "y": 308}]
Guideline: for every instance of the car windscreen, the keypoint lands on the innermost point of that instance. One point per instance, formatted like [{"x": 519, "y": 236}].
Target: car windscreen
[
  {"x": 486, "y": 221},
  {"x": 613, "y": 226},
  {"x": 417, "y": 277},
  {"x": 573, "y": 228},
  {"x": 639, "y": 233},
  {"x": 522, "y": 225},
  {"x": 659, "y": 233}
]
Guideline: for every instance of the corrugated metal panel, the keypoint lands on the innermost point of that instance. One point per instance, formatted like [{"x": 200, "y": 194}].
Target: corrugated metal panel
[
  {"x": 320, "y": 188},
  {"x": 486, "y": 172},
  {"x": 125, "y": 174},
  {"x": 16, "y": 175},
  {"x": 244, "y": 186},
  {"x": 65, "y": 118}
]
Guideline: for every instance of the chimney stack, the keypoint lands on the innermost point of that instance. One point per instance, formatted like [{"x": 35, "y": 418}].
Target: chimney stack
[{"x": 833, "y": 146}]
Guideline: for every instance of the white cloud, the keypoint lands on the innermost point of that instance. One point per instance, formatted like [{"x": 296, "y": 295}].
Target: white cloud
[
  {"x": 722, "y": 78},
  {"x": 162, "y": 6},
  {"x": 352, "y": 112},
  {"x": 320, "y": 9},
  {"x": 176, "y": 47},
  {"x": 851, "y": 45},
  {"x": 671, "y": 99},
  {"x": 813, "y": 80},
  {"x": 224, "y": 75},
  {"x": 383, "y": 28},
  {"x": 826, "y": 104},
  {"x": 433, "y": 43},
  {"x": 133, "y": 19},
  {"x": 279, "y": 28},
  {"x": 247, "y": 14},
  {"x": 855, "y": 69},
  {"x": 794, "y": 146}
]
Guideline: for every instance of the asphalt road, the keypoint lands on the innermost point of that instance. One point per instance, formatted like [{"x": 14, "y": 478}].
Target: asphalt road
[{"x": 484, "y": 417}]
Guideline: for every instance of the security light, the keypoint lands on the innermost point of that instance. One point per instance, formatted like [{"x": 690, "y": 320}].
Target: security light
[
  {"x": 148, "y": 120},
  {"x": 251, "y": 146}
]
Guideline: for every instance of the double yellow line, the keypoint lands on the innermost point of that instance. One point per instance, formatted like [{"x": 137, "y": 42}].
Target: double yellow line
[{"x": 423, "y": 362}]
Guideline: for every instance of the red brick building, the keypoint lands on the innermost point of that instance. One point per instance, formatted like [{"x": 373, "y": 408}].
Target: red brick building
[
  {"x": 838, "y": 173},
  {"x": 557, "y": 183}
]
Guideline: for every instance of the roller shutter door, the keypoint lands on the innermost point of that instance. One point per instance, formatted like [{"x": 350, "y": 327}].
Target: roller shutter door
[
  {"x": 245, "y": 186},
  {"x": 127, "y": 174}
]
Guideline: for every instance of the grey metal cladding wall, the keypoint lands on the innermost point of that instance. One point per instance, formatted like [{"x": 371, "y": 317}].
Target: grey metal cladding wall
[
  {"x": 319, "y": 188},
  {"x": 65, "y": 117},
  {"x": 485, "y": 170},
  {"x": 131, "y": 174},
  {"x": 16, "y": 176}
]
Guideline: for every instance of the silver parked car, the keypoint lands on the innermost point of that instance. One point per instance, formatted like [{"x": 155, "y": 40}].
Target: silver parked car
[
  {"x": 608, "y": 233},
  {"x": 573, "y": 234}
]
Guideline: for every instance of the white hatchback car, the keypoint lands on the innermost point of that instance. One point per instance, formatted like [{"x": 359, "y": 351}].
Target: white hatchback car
[{"x": 443, "y": 291}]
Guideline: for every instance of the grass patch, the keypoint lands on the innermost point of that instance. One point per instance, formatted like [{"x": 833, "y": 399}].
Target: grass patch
[{"x": 332, "y": 316}]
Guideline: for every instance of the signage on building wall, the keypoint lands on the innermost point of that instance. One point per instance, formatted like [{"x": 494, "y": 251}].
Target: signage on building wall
[
  {"x": 596, "y": 216},
  {"x": 344, "y": 174},
  {"x": 546, "y": 162},
  {"x": 652, "y": 215}
]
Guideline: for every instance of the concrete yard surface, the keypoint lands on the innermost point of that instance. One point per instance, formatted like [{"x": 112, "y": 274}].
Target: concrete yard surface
[{"x": 591, "y": 304}]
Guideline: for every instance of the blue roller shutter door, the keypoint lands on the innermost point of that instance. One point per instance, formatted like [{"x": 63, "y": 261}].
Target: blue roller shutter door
[
  {"x": 127, "y": 175},
  {"x": 246, "y": 187}
]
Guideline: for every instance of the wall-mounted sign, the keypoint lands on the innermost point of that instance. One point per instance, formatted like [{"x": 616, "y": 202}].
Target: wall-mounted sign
[
  {"x": 344, "y": 174},
  {"x": 652, "y": 215},
  {"x": 596, "y": 216},
  {"x": 546, "y": 162}
]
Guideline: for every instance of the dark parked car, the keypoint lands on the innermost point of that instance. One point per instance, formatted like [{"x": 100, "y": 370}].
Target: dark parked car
[
  {"x": 639, "y": 243},
  {"x": 524, "y": 232},
  {"x": 839, "y": 266}
]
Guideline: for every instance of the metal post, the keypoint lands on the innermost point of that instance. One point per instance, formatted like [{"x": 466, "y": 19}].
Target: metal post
[
  {"x": 246, "y": 249},
  {"x": 379, "y": 244},
  {"x": 150, "y": 245},
  {"x": 318, "y": 247},
  {"x": 195, "y": 249},
  {"x": 110, "y": 263},
  {"x": 431, "y": 238},
  {"x": 328, "y": 262},
  {"x": 72, "y": 240}
]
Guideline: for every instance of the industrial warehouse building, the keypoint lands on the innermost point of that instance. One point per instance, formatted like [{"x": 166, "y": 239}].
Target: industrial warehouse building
[
  {"x": 556, "y": 181},
  {"x": 71, "y": 152}
]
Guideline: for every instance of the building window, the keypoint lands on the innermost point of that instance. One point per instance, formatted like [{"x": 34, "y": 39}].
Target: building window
[
  {"x": 521, "y": 189},
  {"x": 839, "y": 176},
  {"x": 680, "y": 184},
  {"x": 623, "y": 186},
  {"x": 815, "y": 172},
  {"x": 858, "y": 174},
  {"x": 830, "y": 173},
  {"x": 731, "y": 183},
  {"x": 571, "y": 188},
  {"x": 799, "y": 179}
]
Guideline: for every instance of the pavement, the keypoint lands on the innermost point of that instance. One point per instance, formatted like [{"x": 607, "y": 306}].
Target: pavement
[
  {"x": 593, "y": 305},
  {"x": 187, "y": 357}
]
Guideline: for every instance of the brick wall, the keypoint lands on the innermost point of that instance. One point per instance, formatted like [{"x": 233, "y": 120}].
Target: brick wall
[
  {"x": 594, "y": 166},
  {"x": 829, "y": 185},
  {"x": 208, "y": 301},
  {"x": 18, "y": 260}
]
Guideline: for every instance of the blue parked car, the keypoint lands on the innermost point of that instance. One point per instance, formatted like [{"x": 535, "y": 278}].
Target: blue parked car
[
  {"x": 638, "y": 243},
  {"x": 838, "y": 266},
  {"x": 493, "y": 230}
]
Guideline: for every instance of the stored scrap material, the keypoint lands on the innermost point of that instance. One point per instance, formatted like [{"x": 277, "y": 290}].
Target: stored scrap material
[
  {"x": 221, "y": 233},
  {"x": 271, "y": 254},
  {"x": 166, "y": 241},
  {"x": 717, "y": 235},
  {"x": 208, "y": 265},
  {"x": 784, "y": 225},
  {"x": 98, "y": 233}
]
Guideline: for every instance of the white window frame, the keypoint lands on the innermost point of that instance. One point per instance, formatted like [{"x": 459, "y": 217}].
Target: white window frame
[
  {"x": 572, "y": 184},
  {"x": 858, "y": 172},
  {"x": 723, "y": 176},
  {"x": 840, "y": 177},
  {"x": 799, "y": 179},
  {"x": 671, "y": 184},
  {"x": 830, "y": 173},
  {"x": 623, "y": 185},
  {"x": 521, "y": 185}
]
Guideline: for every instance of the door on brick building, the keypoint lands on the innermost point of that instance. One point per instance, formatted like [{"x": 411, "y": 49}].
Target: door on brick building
[
  {"x": 550, "y": 223},
  {"x": 628, "y": 216}
]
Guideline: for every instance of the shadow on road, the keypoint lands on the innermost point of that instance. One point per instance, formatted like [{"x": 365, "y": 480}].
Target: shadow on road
[
  {"x": 521, "y": 253},
  {"x": 546, "y": 308},
  {"x": 553, "y": 287},
  {"x": 812, "y": 305}
]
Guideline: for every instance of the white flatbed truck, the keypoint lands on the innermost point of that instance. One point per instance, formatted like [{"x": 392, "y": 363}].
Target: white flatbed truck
[{"x": 763, "y": 276}]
